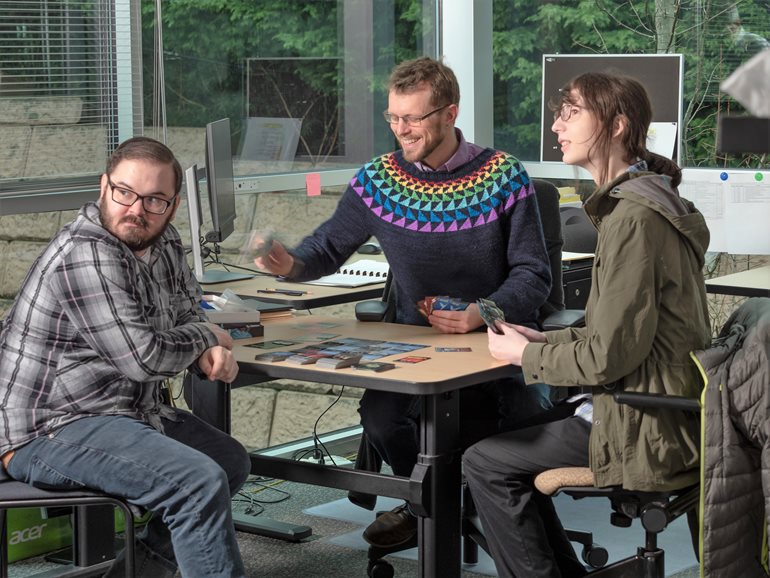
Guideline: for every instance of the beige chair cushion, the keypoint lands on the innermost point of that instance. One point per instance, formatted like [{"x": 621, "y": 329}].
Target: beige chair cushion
[{"x": 551, "y": 481}]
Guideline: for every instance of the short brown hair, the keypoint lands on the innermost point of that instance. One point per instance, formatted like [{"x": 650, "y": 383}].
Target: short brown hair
[
  {"x": 148, "y": 149},
  {"x": 411, "y": 74}
]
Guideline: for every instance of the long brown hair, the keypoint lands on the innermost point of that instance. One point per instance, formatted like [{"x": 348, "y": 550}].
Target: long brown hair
[{"x": 608, "y": 96}]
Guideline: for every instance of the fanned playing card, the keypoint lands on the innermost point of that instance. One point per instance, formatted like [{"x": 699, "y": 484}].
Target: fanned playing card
[{"x": 490, "y": 313}]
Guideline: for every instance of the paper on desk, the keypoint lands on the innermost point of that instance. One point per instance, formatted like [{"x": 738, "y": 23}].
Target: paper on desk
[{"x": 749, "y": 84}]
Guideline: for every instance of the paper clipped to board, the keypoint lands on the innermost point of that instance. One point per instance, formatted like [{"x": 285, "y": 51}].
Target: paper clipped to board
[{"x": 357, "y": 274}]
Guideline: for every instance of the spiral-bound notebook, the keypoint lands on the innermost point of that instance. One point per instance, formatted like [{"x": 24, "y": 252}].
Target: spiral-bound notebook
[{"x": 363, "y": 272}]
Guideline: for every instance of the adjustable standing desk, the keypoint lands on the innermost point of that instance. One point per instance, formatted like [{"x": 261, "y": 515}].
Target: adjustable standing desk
[
  {"x": 434, "y": 486},
  {"x": 751, "y": 283}
]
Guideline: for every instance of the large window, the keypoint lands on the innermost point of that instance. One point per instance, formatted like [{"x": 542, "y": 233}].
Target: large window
[
  {"x": 302, "y": 82},
  {"x": 715, "y": 37},
  {"x": 66, "y": 91}
]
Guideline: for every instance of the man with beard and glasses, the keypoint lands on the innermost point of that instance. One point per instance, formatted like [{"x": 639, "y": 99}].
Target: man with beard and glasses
[
  {"x": 453, "y": 218},
  {"x": 107, "y": 312}
]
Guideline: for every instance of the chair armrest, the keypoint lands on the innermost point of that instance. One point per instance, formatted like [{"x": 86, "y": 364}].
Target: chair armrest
[
  {"x": 372, "y": 310},
  {"x": 658, "y": 401},
  {"x": 565, "y": 318}
]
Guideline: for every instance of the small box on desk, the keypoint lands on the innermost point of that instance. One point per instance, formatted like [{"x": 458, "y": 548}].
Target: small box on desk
[
  {"x": 743, "y": 135},
  {"x": 244, "y": 330}
]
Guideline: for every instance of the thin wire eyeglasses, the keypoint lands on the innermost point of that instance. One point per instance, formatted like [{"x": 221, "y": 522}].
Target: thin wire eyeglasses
[
  {"x": 127, "y": 198},
  {"x": 567, "y": 111},
  {"x": 391, "y": 118}
]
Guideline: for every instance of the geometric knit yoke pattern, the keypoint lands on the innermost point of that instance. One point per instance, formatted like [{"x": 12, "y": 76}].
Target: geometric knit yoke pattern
[{"x": 470, "y": 197}]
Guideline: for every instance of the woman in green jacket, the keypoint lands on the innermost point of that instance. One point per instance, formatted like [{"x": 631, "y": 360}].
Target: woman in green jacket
[{"x": 646, "y": 312}]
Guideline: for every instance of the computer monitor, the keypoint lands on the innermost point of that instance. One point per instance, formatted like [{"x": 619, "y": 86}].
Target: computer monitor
[
  {"x": 221, "y": 187},
  {"x": 219, "y": 176}
]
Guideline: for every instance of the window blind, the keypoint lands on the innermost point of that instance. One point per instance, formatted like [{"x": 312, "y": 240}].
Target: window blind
[{"x": 70, "y": 90}]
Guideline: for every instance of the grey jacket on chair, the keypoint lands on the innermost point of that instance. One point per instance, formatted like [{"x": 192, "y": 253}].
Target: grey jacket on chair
[{"x": 736, "y": 451}]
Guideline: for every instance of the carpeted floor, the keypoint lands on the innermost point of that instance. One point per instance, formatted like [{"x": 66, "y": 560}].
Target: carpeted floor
[{"x": 335, "y": 549}]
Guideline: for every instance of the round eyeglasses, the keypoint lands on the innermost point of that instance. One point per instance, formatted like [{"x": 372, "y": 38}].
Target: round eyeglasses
[
  {"x": 409, "y": 119},
  {"x": 127, "y": 197},
  {"x": 567, "y": 111}
]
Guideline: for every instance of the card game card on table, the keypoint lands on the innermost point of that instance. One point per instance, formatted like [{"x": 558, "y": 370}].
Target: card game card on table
[
  {"x": 413, "y": 359},
  {"x": 490, "y": 313},
  {"x": 274, "y": 356},
  {"x": 376, "y": 366}
]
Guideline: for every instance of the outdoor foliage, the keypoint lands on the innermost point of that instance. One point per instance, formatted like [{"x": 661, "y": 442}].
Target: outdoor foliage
[{"x": 213, "y": 47}]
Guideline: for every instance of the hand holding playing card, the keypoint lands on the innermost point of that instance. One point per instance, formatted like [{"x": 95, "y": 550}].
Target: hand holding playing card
[{"x": 508, "y": 345}]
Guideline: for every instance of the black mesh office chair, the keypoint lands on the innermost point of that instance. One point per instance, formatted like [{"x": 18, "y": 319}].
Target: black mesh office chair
[{"x": 552, "y": 315}]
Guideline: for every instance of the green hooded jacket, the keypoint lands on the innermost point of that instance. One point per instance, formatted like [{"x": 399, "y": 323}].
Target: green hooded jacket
[{"x": 646, "y": 312}]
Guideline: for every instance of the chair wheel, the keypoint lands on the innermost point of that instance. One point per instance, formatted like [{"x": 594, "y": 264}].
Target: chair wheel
[
  {"x": 379, "y": 569},
  {"x": 595, "y": 556}
]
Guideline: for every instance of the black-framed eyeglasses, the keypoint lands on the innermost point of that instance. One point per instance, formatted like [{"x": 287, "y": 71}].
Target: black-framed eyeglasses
[
  {"x": 567, "y": 111},
  {"x": 409, "y": 119},
  {"x": 127, "y": 197}
]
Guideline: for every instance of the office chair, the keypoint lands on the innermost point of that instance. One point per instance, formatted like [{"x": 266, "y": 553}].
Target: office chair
[
  {"x": 579, "y": 233},
  {"x": 552, "y": 315},
  {"x": 655, "y": 510},
  {"x": 14, "y": 494}
]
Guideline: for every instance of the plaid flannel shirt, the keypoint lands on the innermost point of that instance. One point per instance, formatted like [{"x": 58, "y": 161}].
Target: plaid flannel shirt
[{"x": 94, "y": 330}]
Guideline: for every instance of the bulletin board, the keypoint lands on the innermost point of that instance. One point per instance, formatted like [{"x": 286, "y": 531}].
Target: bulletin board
[{"x": 661, "y": 75}]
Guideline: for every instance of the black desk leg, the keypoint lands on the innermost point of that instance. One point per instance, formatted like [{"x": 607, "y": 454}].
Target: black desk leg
[{"x": 439, "y": 533}]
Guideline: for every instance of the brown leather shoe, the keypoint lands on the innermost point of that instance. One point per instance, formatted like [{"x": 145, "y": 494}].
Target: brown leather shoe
[{"x": 392, "y": 529}]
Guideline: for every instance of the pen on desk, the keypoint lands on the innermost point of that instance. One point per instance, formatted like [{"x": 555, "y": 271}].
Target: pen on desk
[{"x": 292, "y": 292}]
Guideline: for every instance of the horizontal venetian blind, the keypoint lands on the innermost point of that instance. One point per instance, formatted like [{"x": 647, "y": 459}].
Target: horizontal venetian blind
[{"x": 67, "y": 88}]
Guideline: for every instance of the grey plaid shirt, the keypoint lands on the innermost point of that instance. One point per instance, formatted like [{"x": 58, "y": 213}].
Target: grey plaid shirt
[{"x": 94, "y": 331}]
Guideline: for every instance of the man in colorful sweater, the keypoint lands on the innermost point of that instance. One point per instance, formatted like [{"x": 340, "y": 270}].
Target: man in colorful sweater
[{"x": 453, "y": 218}]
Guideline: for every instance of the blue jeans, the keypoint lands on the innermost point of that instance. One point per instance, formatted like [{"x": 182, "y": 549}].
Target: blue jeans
[{"x": 185, "y": 477}]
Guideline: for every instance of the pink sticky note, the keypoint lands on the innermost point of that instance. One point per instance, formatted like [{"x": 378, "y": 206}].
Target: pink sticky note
[{"x": 313, "y": 184}]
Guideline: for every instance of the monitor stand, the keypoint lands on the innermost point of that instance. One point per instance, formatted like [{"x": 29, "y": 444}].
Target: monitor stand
[{"x": 216, "y": 276}]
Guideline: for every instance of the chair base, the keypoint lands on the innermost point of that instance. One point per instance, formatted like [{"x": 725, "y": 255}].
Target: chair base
[
  {"x": 646, "y": 564},
  {"x": 379, "y": 568}
]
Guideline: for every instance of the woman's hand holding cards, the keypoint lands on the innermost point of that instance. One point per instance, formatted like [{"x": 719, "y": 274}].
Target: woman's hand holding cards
[{"x": 509, "y": 346}]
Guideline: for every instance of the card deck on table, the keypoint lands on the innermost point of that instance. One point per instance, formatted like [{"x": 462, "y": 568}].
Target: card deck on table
[
  {"x": 339, "y": 361},
  {"x": 453, "y": 349},
  {"x": 299, "y": 359},
  {"x": 376, "y": 366}
]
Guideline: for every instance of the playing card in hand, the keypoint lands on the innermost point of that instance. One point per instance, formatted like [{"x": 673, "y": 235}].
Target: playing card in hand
[
  {"x": 490, "y": 313},
  {"x": 427, "y": 305}
]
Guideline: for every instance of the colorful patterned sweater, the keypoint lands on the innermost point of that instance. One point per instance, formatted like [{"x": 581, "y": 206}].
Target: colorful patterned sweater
[{"x": 469, "y": 233}]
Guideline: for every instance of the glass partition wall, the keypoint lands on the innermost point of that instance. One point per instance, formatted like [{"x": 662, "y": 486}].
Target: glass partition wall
[{"x": 304, "y": 81}]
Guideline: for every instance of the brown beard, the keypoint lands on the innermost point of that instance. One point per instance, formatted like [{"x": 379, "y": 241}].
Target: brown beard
[{"x": 132, "y": 240}]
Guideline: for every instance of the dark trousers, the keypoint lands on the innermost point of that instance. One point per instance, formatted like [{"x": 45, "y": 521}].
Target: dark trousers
[
  {"x": 391, "y": 420},
  {"x": 525, "y": 536}
]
